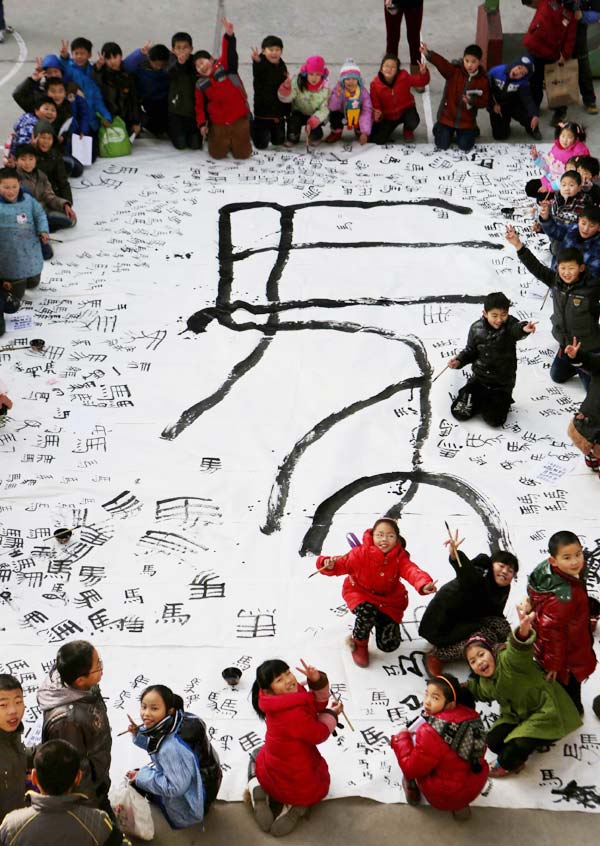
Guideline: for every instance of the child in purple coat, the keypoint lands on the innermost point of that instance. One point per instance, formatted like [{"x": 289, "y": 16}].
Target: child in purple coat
[{"x": 350, "y": 105}]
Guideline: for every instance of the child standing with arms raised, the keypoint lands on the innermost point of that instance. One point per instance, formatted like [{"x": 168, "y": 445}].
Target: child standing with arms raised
[
  {"x": 373, "y": 589},
  {"x": 558, "y": 595}
]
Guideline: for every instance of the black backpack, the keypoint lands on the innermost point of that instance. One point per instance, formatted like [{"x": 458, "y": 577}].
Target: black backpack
[
  {"x": 467, "y": 739},
  {"x": 193, "y": 733}
]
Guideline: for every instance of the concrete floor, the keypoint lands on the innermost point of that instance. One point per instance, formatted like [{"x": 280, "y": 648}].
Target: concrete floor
[{"x": 337, "y": 30}]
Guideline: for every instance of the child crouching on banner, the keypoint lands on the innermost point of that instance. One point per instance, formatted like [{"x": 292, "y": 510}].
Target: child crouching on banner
[
  {"x": 373, "y": 589},
  {"x": 288, "y": 774},
  {"x": 350, "y": 105},
  {"x": 491, "y": 349},
  {"x": 533, "y": 710},
  {"x": 185, "y": 775},
  {"x": 584, "y": 428},
  {"x": 446, "y": 759}
]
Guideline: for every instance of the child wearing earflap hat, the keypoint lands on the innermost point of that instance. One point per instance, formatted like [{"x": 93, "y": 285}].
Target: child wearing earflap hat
[
  {"x": 308, "y": 95},
  {"x": 350, "y": 105}
]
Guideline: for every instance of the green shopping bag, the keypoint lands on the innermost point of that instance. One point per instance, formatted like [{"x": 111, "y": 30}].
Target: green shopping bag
[{"x": 114, "y": 140}]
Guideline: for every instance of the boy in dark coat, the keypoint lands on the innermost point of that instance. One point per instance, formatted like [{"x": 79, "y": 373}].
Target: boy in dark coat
[
  {"x": 466, "y": 90},
  {"x": 74, "y": 710},
  {"x": 57, "y": 813},
  {"x": 35, "y": 86},
  {"x": 50, "y": 161},
  {"x": 511, "y": 99},
  {"x": 559, "y": 599},
  {"x": 583, "y": 235},
  {"x": 269, "y": 71},
  {"x": 491, "y": 349},
  {"x": 118, "y": 87},
  {"x": 182, "y": 127},
  {"x": 472, "y": 602},
  {"x": 148, "y": 66},
  {"x": 575, "y": 299},
  {"x": 222, "y": 112},
  {"x": 13, "y": 755}
]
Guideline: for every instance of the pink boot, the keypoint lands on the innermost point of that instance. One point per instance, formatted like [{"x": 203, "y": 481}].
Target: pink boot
[{"x": 360, "y": 651}]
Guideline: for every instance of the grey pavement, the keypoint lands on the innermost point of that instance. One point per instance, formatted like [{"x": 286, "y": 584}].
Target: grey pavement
[{"x": 336, "y": 30}]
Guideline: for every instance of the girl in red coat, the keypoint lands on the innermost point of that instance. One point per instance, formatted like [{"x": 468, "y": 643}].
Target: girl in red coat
[
  {"x": 287, "y": 775},
  {"x": 446, "y": 759},
  {"x": 393, "y": 102},
  {"x": 373, "y": 590}
]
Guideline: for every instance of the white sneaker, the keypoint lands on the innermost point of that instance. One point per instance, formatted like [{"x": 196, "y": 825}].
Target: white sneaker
[
  {"x": 288, "y": 819},
  {"x": 1, "y": 36},
  {"x": 260, "y": 805}
]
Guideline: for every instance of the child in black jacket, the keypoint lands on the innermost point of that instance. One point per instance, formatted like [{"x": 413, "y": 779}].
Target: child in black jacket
[
  {"x": 491, "y": 349},
  {"x": 118, "y": 87},
  {"x": 576, "y": 304},
  {"x": 268, "y": 71},
  {"x": 584, "y": 428}
]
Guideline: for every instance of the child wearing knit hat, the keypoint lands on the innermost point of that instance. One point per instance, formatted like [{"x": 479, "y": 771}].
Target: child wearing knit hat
[
  {"x": 308, "y": 95},
  {"x": 350, "y": 105}
]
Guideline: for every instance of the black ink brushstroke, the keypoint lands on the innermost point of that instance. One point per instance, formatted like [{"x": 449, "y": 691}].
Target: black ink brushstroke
[
  {"x": 361, "y": 245},
  {"x": 497, "y": 533}
]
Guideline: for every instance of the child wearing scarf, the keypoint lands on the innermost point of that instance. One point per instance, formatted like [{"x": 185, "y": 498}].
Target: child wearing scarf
[
  {"x": 350, "y": 105},
  {"x": 308, "y": 95},
  {"x": 185, "y": 775}
]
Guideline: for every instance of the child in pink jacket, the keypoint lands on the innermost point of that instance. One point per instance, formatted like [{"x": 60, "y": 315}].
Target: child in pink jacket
[{"x": 569, "y": 141}]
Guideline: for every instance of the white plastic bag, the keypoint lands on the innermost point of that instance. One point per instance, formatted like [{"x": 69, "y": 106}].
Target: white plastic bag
[{"x": 132, "y": 811}]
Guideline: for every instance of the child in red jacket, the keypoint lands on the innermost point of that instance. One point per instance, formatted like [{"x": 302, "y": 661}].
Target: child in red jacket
[
  {"x": 393, "y": 103},
  {"x": 287, "y": 775},
  {"x": 467, "y": 89},
  {"x": 373, "y": 589},
  {"x": 222, "y": 111},
  {"x": 559, "y": 599},
  {"x": 446, "y": 760}
]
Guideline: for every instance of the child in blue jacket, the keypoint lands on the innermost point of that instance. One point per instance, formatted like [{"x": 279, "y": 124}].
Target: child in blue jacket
[
  {"x": 511, "y": 99},
  {"x": 23, "y": 231},
  {"x": 76, "y": 67},
  {"x": 173, "y": 780},
  {"x": 148, "y": 66}
]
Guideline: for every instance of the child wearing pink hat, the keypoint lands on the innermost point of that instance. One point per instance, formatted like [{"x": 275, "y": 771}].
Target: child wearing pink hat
[
  {"x": 308, "y": 95},
  {"x": 350, "y": 105}
]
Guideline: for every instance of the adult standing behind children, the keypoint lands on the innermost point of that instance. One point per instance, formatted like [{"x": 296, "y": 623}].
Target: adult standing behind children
[
  {"x": 575, "y": 300},
  {"x": 559, "y": 599},
  {"x": 466, "y": 90},
  {"x": 269, "y": 71},
  {"x": 73, "y": 709},
  {"x": 222, "y": 111},
  {"x": 412, "y": 12},
  {"x": 491, "y": 349}
]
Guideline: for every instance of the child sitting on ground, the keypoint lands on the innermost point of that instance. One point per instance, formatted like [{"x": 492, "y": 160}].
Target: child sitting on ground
[
  {"x": 446, "y": 760},
  {"x": 288, "y": 774},
  {"x": 148, "y": 66},
  {"x": 511, "y": 99},
  {"x": 50, "y": 161},
  {"x": 13, "y": 754},
  {"x": 584, "y": 428},
  {"x": 118, "y": 87},
  {"x": 491, "y": 349},
  {"x": 350, "y": 105},
  {"x": 56, "y": 813},
  {"x": 466, "y": 90},
  {"x": 373, "y": 589},
  {"x": 23, "y": 231},
  {"x": 269, "y": 71},
  {"x": 588, "y": 167},
  {"x": 35, "y": 86},
  {"x": 77, "y": 68},
  {"x": 583, "y": 235},
  {"x": 308, "y": 95},
  {"x": 72, "y": 119},
  {"x": 393, "y": 102},
  {"x": 559, "y": 599},
  {"x": 568, "y": 142},
  {"x": 472, "y": 602},
  {"x": 58, "y": 210},
  {"x": 44, "y": 109},
  {"x": 222, "y": 112},
  {"x": 174, "y": 780},
  {"x": 533, "y": 710},
  {"x": 575, "y": 301},
  {"x": 569, "y": 200}
]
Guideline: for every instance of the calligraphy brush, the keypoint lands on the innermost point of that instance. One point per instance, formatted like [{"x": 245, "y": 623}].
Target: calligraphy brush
[
  {"x": 347, "y": 718},
  {"x": 545, "y": 298},
  {"x": 452, "y": 544},
  {"x": 317, "y": 571},
  {"x": 440, "y": 373}
]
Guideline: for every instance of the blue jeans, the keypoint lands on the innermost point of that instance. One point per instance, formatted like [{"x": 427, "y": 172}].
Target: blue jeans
[
  {"x": 562, "y": 370},
  {"x": 465, "y": 138}
]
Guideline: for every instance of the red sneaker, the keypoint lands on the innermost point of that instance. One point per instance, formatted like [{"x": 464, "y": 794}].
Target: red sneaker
[
  {"x": 333, "y": 136},
  {"x": 499, "y": 772},
  {"x": 408, "y": 135}
]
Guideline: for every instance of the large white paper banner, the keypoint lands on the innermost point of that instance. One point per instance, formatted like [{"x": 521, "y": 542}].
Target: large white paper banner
[{"x": 205, "y": 471}]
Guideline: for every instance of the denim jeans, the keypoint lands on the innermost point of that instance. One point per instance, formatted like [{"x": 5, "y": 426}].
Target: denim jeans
[
  {"x": 465, "y": 138},
  {"x": 562, "y": 370}
]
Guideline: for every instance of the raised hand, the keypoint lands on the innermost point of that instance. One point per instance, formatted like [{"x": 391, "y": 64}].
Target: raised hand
[
  {"x": 146, "y": 48},
  {"x": 572, "y": 349},
  {"x": 454, "y": 543},
  {"x": 227, "y": 26},
  {"x": 430, "y": 588},
  {"x": 64, "y": 49},
  {"x": 423, "y": 49},
  {"x": 132, "y": 728},
  {"x": 525, "y": 621},
  {"x": 99, "y": 60},
  {"x": 38, "y": 70},
  {"x": 513, "y": 238},
  {"x": 255, "y": 55},
  {"x": 311, "y": 673}
]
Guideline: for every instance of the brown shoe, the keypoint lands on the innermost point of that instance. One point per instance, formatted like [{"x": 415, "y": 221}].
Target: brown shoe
[
  {"x": 333, "y": 136},
  {"x": 434, "y": 666},
  {"x": 414, "y": 69},
  {"x": 411, "y": 791}
]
